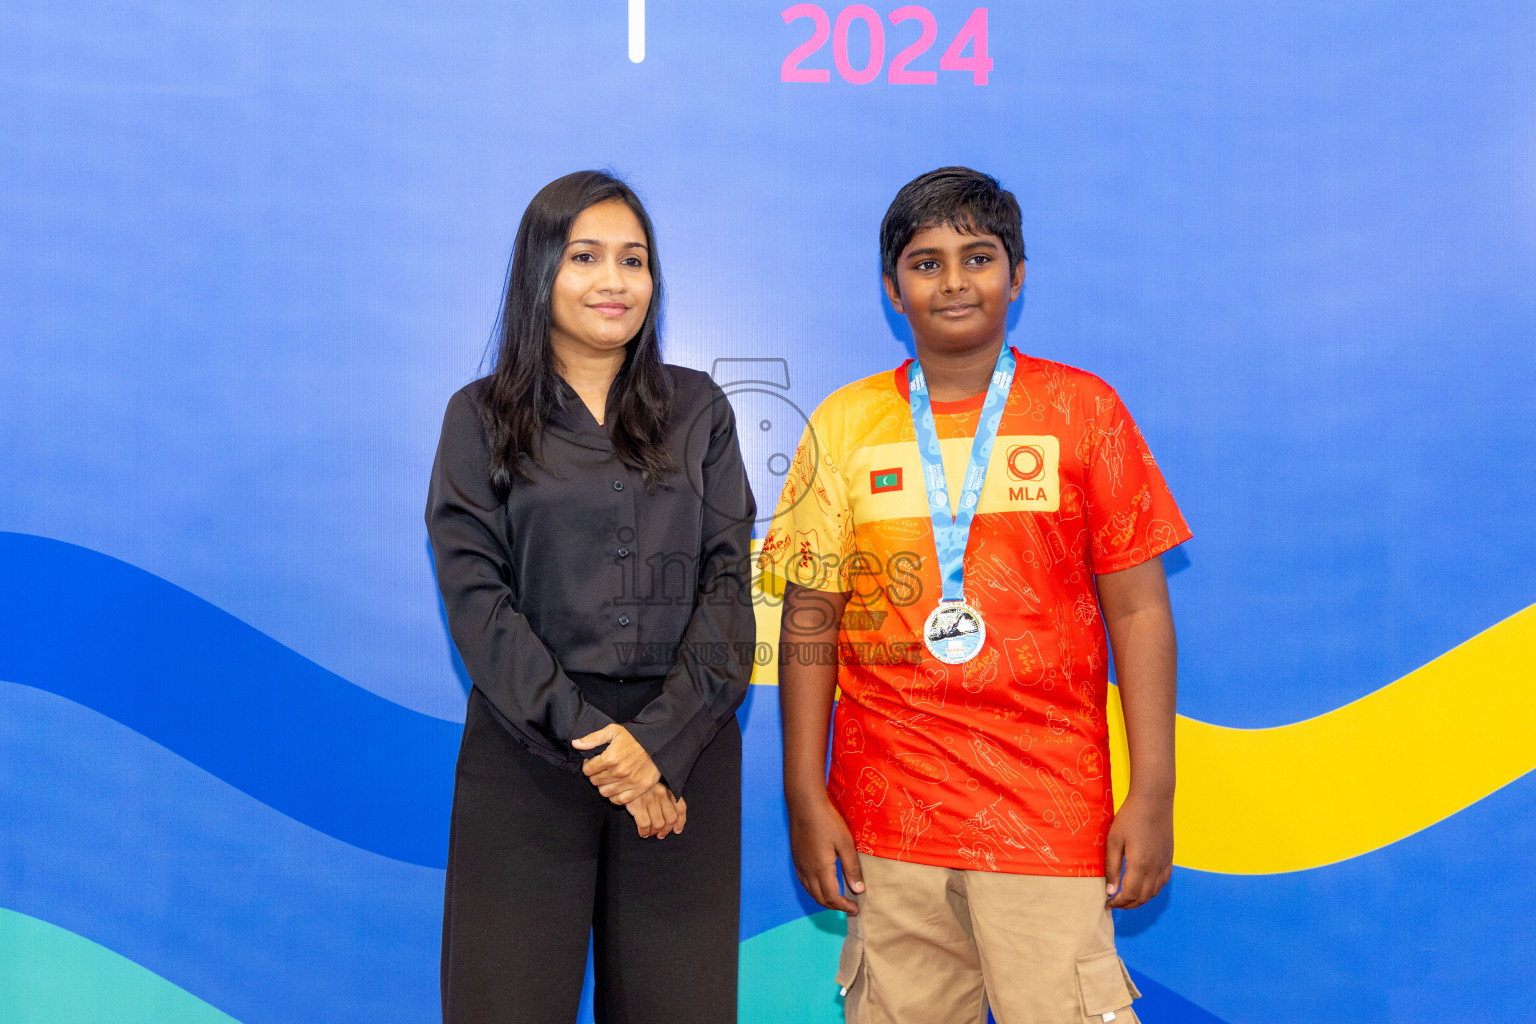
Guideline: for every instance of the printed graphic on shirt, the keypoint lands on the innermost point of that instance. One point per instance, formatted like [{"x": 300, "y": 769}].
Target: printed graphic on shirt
[
  {"x": 1004, "y": 489},
  {"x": 999, "y": 763}
]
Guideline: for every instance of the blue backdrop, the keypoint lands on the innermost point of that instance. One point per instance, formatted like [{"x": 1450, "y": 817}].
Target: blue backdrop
[{"x": 251, "y": 249}]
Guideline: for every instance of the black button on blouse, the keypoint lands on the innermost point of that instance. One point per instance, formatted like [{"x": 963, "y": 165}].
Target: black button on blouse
[{"x": 533, "y": 591}]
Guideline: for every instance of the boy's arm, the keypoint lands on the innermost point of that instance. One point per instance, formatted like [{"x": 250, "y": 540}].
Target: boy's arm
[
  {"x": 818, "y": 835},
  {"x": 1140, "y": 624}
]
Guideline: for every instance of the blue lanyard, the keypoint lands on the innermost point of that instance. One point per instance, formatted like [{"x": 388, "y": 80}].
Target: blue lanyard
[{"x": 952, "y": 532}]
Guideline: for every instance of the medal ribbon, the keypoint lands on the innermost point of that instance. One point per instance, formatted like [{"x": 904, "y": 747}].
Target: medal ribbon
[{"x": 952, "y": 532}]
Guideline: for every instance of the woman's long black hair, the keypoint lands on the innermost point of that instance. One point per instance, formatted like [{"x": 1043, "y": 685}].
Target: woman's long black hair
[{"x": 525, "y": 382}]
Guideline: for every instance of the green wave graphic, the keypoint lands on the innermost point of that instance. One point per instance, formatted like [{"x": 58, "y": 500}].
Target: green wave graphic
[
  {"x": 49, "y": 975},
  {"x": 786, "y": 972}
]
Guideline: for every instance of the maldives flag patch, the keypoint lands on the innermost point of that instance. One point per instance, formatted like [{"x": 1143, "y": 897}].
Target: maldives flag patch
[{"x": 884, "y": 480}]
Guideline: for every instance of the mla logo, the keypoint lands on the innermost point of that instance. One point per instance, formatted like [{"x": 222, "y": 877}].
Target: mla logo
[
  {"x": 1031, "y": 482},
  {"x": 1026, "y": 462}
]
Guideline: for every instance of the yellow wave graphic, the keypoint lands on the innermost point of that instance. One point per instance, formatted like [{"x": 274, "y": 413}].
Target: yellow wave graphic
[{"x": 1260, "y": 801}]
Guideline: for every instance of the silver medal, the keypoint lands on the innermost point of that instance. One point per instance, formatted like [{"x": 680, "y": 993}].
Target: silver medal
[{"x": 954, "y": 632}]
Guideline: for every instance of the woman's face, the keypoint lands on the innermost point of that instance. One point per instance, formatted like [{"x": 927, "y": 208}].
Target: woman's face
[{"x": 604, "y": 285}]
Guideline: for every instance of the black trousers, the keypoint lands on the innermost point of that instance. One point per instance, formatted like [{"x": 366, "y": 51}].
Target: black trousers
[{"x": 537, "y": 861}]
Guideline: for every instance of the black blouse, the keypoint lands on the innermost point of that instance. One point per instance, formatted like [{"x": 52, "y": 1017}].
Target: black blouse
[{"x": 583, "y": 572}]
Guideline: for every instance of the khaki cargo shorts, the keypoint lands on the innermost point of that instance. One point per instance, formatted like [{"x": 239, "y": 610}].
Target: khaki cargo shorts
[{"x": 935, "y": 945}]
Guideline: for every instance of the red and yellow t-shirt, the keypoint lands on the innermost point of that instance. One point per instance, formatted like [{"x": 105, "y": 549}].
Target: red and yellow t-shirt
[{"x": 1002, "y": 763}]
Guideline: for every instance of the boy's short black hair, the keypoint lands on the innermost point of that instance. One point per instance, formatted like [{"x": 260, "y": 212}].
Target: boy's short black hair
[{"x": 966, "y": 200}]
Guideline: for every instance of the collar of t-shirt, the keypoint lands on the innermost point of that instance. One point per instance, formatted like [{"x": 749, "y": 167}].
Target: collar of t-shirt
[{"x": 965, "y": 405}]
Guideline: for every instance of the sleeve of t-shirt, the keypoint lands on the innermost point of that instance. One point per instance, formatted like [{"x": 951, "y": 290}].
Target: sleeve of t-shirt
[
  {"x": 811, "y": 537},
  {"x": 1131, "y": 514}
]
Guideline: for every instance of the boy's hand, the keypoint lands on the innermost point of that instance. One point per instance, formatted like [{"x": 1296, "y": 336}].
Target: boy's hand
[
  {"x": 657, "y": 812},
  {"x": 818, "y": 839},
  {"x": 1142, "y": 836},
  {"x": 623, "y": 771}
]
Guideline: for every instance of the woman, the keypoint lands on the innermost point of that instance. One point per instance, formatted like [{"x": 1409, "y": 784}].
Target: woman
[{"x": 590, "y": 519}]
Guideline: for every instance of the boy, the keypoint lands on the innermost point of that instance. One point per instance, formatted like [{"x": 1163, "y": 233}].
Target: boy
[{"x": 948, "y": 536}]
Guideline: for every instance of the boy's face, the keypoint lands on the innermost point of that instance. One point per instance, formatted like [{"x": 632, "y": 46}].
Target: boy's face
[{"x": 954, "y": 289}]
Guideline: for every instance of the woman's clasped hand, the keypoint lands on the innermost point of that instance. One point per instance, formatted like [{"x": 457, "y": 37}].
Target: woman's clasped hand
[{"x": 625, "y": 774}]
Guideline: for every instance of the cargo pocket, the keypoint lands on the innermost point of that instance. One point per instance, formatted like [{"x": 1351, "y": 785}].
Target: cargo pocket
[
  {"x": 850, "y": 973},
  {"x": 1106, "y": 989}
]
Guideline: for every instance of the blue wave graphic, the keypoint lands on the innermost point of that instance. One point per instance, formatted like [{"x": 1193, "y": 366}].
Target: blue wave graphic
[
  {"x": 232, "y": 897},
  {"x": 134, "y": 848},
  {"x": 1418, "y": 931},
  {"x": 1160, "y": 1004},
  {"x": 226, "y": 697},
  {"x": 115, "y": 838}
]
